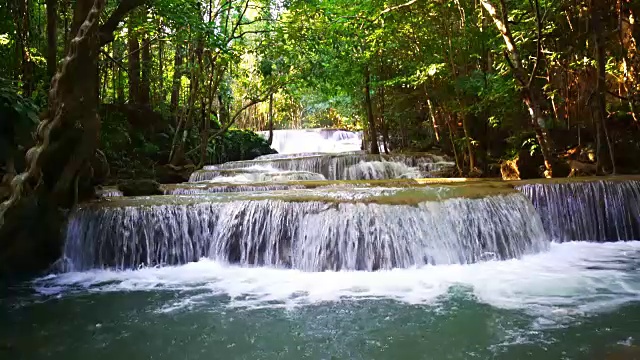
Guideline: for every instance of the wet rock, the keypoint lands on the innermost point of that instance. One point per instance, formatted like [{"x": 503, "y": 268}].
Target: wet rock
[
  {"x": 143, "y": 187},
  {"x": 170, "y": 174}
]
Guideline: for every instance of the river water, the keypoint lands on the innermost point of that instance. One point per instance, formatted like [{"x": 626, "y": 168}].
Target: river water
[{"x": 564, "y": 300}]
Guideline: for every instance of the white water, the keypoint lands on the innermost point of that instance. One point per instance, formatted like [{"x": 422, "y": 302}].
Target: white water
[
  {"x": 570, "y": 281},
  {"x": 314, "y": 140}
]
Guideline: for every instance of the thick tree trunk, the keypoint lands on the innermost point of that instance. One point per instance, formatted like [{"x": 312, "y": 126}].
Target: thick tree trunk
[
  {"x": 373, "y": 133},
  {"x": 52, "y": 37},
  {"x": 66, "y": 139},
  {"x": 134, "y": 64}
]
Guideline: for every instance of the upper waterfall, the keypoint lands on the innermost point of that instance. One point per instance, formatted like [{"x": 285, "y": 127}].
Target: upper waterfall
[{"x": 314, "y": 141}]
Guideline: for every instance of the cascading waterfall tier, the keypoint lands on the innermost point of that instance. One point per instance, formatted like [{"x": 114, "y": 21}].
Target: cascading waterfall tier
[
  {"x": 314, "y": 140},
  {"x": 607, "y": 210},
  {"x": 337, "y": 166},
  {"x": 312, "y": 231},
  {"x": 193, "y": 189}
]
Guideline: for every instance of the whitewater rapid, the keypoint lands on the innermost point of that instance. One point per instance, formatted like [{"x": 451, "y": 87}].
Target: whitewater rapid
[{"x": 570, "y": 281}]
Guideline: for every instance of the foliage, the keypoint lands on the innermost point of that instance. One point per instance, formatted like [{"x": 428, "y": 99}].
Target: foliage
[
  {"x": 18, "y": 115},
  {"x": 436, "y": 72},
  {"x": 236, "y": 145}
]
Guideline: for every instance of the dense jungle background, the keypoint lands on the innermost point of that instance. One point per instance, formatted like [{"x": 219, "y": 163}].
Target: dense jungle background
[{"x": 537, "y": 87}]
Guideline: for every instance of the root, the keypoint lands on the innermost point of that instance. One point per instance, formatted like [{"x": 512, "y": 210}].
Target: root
[{"x": 69, "y": 109}]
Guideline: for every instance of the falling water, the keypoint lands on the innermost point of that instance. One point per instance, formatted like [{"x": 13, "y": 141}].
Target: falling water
[
  {"x": 588, "y": 210},
  {"x": 375, "y": 170},
  {"x": 314, "y": 140},
  {"x": 334, "y": 166},
  {"x": 194, "y": 189},
  {"x": 306, "y": 235}
]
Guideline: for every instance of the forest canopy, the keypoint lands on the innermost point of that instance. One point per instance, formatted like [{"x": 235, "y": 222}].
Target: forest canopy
[{"x": 486, "y": 81}]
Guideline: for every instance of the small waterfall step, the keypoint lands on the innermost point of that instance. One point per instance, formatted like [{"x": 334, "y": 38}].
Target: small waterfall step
[
  {"x": 311, "y": 230},
  {"x": 587, "y": 209},
  {"x": 344, "y": 166},
  {"x": 315, "y": 140}
]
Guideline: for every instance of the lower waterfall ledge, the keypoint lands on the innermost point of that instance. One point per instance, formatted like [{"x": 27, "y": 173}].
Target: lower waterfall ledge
[{"x": 305, "y": 235}]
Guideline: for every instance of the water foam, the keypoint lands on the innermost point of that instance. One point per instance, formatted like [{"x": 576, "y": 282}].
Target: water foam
[{"x": 570, "y": 281}]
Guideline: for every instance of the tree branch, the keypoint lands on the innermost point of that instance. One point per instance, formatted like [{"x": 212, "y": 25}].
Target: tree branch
[
  {"x": 105, "y": 33},
  {"x": 536, "y": 8},
  {"x": 237, "y": 114},
  {"x": 393, "y": 8}
]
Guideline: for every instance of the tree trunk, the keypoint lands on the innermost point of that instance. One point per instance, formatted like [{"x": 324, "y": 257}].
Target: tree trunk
[
  {"x": 383, "y": 123},
  {"x": 373, "y": 133},
  {"x": 119, "y": 87},
  {"x": 162, "y": 96},
  {"x": 531, "y": 93},
  {"x": 601, "y": 86},
  {"x": 21, "y": 19},
  {"x": 270, "y": 140},
  {"x": 52, "y": 37},
  {"x": 468, "y": 141},
  {"x": 177, "y": 155},
  {"x": 175, "y": 86},
  {"x": 452, "y": 136},
  {"x": 66, "y": 139},
  {"x": 145, "y": 83},
  {"x": 134, "y": 64}
]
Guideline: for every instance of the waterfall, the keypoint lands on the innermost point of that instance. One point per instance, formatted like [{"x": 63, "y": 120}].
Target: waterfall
[
  {"x": 314, "y": 140},
  {"x": 306, "y": 235},
  {"x": 334, "y": 166},
  {"x": 108, "y": 192},
  {"x": 377, "y": 170},
  {"x": 588, "y": 210},
  {"x": 238, "y": 176},
  {"x": 194, "y": 189}
]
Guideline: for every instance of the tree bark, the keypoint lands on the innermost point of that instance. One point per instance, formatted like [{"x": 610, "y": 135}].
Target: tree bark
[
  {"x": 145, "y": 83},
  {"x": 373, "y": 133},
  {"x": 59, "y": 164},
  {"x": 52, "y": 37}
]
